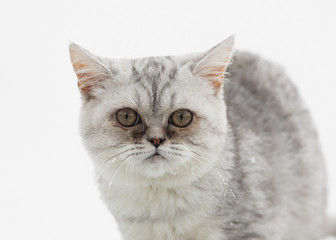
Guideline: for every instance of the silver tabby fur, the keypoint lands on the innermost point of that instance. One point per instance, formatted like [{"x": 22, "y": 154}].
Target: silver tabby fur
[{"x": 248, "y": 167}]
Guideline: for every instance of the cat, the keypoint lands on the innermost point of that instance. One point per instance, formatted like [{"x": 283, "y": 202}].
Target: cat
[{"x": 215, "y": 145}]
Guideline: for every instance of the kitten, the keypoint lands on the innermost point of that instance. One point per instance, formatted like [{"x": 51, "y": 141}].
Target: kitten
[{"x": 182, "y": 155}]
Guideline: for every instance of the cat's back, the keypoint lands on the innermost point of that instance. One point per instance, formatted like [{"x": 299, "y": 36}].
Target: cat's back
[
  {"x": 261, "y": 98},
  {"x": 257, "y": 86},
  {"x": 277, "y": 151}
]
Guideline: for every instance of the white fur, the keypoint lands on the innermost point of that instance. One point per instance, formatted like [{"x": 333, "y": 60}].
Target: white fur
[
  {"x": 219, "y": 56},
  {"x": 162, "y": 199}
]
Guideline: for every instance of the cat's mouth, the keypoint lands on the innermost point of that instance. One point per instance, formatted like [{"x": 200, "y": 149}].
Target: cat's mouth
[{"x": 156, "y": 157}]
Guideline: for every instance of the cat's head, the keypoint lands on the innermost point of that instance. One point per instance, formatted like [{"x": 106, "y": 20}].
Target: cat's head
[{"x": 153, "y": 120}]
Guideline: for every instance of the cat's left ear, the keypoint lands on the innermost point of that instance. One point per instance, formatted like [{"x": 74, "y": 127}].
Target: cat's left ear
[
  {"x": 90, "y": 70},
  {"x": 212, "y": 67}
]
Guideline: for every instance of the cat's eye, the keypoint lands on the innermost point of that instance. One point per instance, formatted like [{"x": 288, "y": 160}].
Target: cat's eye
[
  {"x": 181, "y": 118},
  {"x": 128, "y": 117}
]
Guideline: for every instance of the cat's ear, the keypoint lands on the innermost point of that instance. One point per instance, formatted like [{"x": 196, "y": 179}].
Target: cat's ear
[
  {"x": 90, "y": 70},
  {"x": 213, "y": 66}
]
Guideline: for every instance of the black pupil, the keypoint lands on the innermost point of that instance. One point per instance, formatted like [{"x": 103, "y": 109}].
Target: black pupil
[
  {"x": 181, "y": 117},
  {"x": 126, "y": 116}
]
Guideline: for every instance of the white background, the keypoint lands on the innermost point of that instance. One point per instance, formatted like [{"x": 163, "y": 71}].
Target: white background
[{"x": 47, "y": 188}]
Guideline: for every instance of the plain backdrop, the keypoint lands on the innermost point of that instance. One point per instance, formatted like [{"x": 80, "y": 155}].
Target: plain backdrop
[{"x": 47, "y": 186}]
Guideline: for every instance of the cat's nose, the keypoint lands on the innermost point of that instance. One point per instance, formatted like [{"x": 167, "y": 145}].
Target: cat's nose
[{"x": 156, "y": 141}]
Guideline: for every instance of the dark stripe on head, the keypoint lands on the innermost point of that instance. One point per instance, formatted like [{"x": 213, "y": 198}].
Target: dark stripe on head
[
  {"x": 164, "y": 87},
  {"x": 136, "y": 75},
  {"x": 154, "y": 90},
  {"x": 146, "y": 88},
  {"x": 172, "y": 73},
  {"x": 172, "y": 100}
]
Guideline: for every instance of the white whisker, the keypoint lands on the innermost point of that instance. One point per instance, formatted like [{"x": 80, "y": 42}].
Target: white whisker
[
  {"x": 115, "y": 174},
  {"x": 219, "y": 175}
]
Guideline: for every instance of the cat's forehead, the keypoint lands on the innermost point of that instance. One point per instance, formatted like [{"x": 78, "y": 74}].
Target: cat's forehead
[
  {"x": 161, "y": 68},
  {"x": 157, "y": 83}
]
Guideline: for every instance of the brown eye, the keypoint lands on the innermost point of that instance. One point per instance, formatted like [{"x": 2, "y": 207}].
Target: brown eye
[
  {"x": 181, "y": 118},
  {"x": 128, "y": 117}
]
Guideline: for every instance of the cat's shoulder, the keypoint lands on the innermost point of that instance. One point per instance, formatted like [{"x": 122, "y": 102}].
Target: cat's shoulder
[
  {"x": 254, "y": 78},
  {"x": 248, "y": 68}
]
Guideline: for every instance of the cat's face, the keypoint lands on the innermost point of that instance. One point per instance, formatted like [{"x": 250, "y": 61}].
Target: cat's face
[{"x": 158, "y": 119}]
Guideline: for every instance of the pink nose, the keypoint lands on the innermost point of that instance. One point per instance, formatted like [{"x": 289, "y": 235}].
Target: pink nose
[{"x": 156, "y": 141}]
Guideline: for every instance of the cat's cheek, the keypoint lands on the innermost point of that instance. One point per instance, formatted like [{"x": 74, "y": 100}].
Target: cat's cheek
[
  {"x": 138, "y": 133},
  {"x": 176, "y": 133},
  {"x": 128, "y": 134}
]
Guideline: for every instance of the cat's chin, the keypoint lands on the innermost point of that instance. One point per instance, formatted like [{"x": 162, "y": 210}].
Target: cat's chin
[
  {"x": 156, "y": 166},
  {"x": 155, "y": 159}
]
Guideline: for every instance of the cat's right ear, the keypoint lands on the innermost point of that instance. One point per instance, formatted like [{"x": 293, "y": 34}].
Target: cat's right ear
[
  {"x": 213, "y": 66},
  {"x": 90, "y": 70}
]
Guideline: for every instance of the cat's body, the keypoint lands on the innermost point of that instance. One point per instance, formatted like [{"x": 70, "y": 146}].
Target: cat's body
[{"x": 247, "y": 169}]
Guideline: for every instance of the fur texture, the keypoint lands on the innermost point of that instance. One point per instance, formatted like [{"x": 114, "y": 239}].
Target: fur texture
[{"x": 247, "y": 167}]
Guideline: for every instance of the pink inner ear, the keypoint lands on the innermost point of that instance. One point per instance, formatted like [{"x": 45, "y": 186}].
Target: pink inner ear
[
  {"x": 215, "y": 75},
  {"x": 89, "y": 69},
  {"x": 85, "y": 89},
  {"x": 89, "y": 75},
  {"x": 213, "y": 66},
  {"x": 216, "y": 84},
  {"x": 83, "y": 77}
]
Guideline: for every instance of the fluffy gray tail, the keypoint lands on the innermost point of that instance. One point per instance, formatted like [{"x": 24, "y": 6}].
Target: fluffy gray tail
[{"x": 331, "y": 227}]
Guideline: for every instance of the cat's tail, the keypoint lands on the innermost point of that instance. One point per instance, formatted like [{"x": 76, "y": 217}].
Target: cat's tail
[{"x": 331, "y": 227}]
